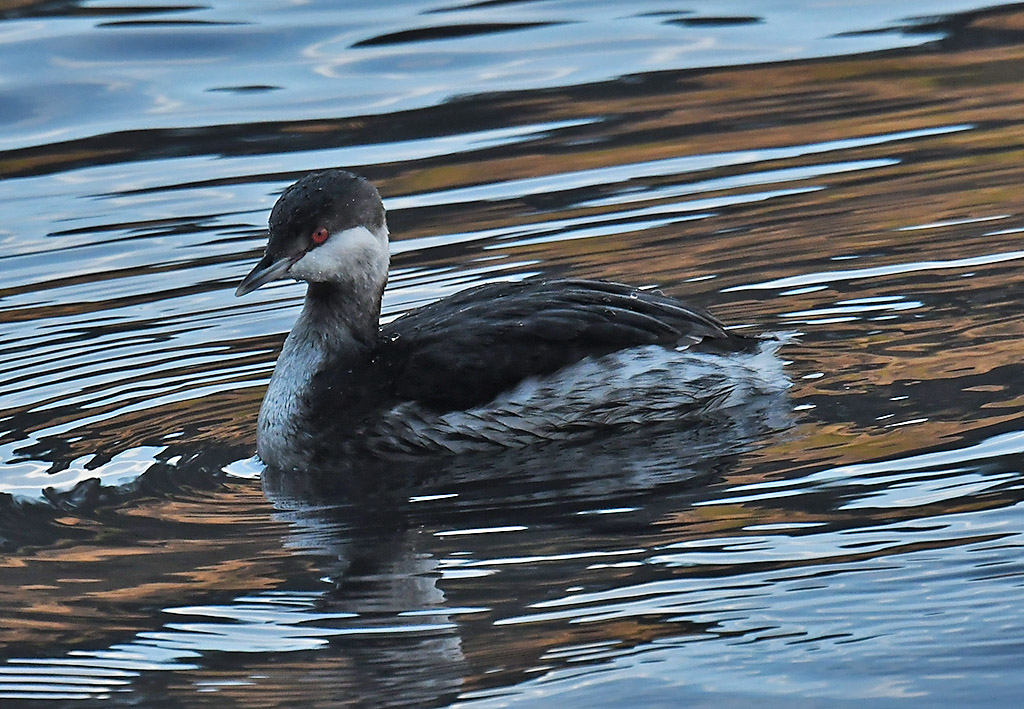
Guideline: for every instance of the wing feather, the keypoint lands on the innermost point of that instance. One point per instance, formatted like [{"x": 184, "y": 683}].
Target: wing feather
[{"x": 465, "y": 350}]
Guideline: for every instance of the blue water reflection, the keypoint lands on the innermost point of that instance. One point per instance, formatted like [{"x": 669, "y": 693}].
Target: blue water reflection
[{"x": 846, "y": 175}]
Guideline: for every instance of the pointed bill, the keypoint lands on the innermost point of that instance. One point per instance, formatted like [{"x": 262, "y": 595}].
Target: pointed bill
[{"x": 268, "y": 269}]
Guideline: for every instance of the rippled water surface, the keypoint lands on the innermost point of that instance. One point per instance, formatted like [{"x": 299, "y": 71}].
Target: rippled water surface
[{"x": 848, "y": 171}]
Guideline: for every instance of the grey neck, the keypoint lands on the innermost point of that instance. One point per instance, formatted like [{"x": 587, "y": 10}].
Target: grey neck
[
  {"x": 343, "y": 313},
  {"x": 336, "y": 327}
]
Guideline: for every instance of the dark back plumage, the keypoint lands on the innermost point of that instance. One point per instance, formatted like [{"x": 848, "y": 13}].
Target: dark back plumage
[{"x": 464, "y": 350}]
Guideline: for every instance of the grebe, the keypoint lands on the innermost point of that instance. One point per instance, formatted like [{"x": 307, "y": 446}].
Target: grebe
[{"x": 502, "y": 364}]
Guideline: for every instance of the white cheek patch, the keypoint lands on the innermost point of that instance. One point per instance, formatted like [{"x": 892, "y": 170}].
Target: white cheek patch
[{"x": 347, "y": 254}]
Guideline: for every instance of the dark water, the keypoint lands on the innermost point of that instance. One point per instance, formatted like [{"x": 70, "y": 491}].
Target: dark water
[{"x": 850, "y": 171}]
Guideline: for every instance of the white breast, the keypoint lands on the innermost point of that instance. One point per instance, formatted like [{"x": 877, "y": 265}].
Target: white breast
[{"x": 283, "y": 408}]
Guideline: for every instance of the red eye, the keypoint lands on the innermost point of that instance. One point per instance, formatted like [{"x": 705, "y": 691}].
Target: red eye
[{"x": 320, "y": 236}]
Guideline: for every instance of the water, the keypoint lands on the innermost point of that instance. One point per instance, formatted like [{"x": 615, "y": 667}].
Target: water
[{"x": 847, "y": 171}]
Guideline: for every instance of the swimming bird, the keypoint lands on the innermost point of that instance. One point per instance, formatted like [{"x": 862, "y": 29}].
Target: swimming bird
[{"x": 498, "y": 365}]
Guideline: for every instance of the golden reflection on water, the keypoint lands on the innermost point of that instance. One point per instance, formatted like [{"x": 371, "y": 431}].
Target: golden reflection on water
[
  {"x": 942, "y": 371},
  {"x": 139, "y": 559}
]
